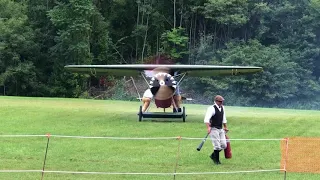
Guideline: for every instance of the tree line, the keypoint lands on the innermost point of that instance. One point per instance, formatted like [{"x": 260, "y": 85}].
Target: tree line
[{"x": 39, "y": 37}]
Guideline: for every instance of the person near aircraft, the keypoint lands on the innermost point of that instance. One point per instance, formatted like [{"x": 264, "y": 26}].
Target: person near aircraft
[
  {"x": 216, "y": 123},
  {"x": 146, "y": 99}
]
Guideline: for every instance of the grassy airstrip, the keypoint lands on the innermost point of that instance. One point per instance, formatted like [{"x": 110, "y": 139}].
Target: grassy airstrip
[{"x": 101, "y": 118}]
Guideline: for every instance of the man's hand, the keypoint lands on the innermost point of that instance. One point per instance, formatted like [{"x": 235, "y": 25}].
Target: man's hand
[
  {"x": 209, "y": 129},
  {"x": 226, "y": 130}
]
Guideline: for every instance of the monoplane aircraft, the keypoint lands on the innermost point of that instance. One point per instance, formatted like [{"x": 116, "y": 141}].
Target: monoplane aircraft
[{"x": 163, "y": 81}]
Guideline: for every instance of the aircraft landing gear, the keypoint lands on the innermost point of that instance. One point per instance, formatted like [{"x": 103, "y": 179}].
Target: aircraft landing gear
[
  {"x": 140, "y": 113},
  {"x": 184, "y": 114},
  {"x": 175, "y": 110},
  {"x": 180, "y": 114}
]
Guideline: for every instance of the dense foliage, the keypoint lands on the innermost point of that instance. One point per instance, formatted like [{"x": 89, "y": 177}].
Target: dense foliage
[{"x": 37, "y": 38}]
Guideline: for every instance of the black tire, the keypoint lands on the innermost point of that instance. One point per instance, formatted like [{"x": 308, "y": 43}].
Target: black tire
[
  {"x": 184, "y": 114},
  {"x": 140, "y": 113}
]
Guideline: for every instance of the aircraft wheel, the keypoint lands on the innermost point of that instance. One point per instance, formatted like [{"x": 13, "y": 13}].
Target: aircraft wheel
[
  {"x": 140, "y": 113},
  {"x": 184, "y": 114}
]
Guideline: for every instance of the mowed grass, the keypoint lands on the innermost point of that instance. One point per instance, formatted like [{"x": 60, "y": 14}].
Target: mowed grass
[{"x": 101, "y": 118}]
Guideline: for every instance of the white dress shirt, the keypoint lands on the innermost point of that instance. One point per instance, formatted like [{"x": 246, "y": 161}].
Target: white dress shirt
[{"x": 211, "y": 112}]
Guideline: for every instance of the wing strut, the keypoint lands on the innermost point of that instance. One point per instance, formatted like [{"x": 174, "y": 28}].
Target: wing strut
[
  {"x": 180, "y": 80},
  {"x": 178, "y": 84},
  {"x": 145, "y": 79},
  {"x": 183, "y": 75},
  {"x": 136, "y": 87}
]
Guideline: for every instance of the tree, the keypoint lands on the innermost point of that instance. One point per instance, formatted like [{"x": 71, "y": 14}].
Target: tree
[
  {"x": 278, "y": 81},
  {"x": 174, "y": 43},
  {"x": 73, "y": 21},
  {"x": 17, "y": 49}
]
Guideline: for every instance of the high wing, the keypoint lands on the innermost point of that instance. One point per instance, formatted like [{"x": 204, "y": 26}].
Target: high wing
[{"x": 136, "y": 69}]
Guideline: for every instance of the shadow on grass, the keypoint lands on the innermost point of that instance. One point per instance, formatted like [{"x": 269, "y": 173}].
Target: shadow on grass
[{"x": 164, "y": 120}]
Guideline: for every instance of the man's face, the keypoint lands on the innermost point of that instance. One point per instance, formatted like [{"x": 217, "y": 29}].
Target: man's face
[{"x": 219, "y": 103}]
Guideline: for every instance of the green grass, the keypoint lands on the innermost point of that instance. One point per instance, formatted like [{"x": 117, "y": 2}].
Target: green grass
[{"x": 98, "y": 118}]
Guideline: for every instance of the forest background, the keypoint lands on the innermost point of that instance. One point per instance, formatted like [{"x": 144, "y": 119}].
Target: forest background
[{"x": 39, "y": 37}]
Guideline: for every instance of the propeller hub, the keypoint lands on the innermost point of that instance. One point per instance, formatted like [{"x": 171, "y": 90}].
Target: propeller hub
[{"x": 162, "y": 85}]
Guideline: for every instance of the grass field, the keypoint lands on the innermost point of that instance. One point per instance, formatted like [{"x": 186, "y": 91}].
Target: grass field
[{"x": 101, "y": 118}]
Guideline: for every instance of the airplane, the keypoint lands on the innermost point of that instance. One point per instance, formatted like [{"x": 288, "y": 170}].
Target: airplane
[{"x": 163, "y": 81}]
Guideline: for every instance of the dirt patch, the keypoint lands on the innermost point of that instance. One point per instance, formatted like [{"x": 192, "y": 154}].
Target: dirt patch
[{"x": 299, "y": 154}]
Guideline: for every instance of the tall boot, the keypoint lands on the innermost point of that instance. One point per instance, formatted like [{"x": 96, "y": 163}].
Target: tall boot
[
  {"x": 217, "y": 156},
  {"x": 212, "y": 156}
]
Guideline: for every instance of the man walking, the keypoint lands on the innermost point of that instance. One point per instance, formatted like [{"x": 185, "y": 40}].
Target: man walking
[{"x": 214, "y": 119}]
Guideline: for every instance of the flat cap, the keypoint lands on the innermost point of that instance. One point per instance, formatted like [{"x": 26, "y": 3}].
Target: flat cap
[{"x": 218, "y": 98}]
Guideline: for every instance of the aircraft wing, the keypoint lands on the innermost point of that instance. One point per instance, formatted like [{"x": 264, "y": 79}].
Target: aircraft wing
[{"x": 136, "y": 69}]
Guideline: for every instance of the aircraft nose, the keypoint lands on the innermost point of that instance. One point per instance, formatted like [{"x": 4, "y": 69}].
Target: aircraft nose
[
  {"x": 161, "y": 79},
  {"x": 161, "y": 83}
]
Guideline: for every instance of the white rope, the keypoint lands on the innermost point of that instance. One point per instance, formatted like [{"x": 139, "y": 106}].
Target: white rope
[
  {"x": 133, "y": 138},
  {"x": 110, "y": 173},
  {"x": 137, "y": 173},
  {"x": 116, "y": 138},
  {"x": 94, "y": 137},
  {"x": 231, "y": 172},
  {"x": 22, "y": 135},
  {"x": 17, "y": 171},
  {"x": 257, "y": 139},
  {"x": 190, "y": 138}
]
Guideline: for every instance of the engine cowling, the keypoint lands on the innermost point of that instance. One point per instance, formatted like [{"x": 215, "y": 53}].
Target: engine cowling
[{"x": 163, "y": 85}]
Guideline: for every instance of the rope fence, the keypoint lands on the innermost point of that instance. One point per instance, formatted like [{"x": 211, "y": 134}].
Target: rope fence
[
  {"x": 134, "y": 138},
  {"x": 284, "y": 164},
  {"x": 128, "y": 173}
]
